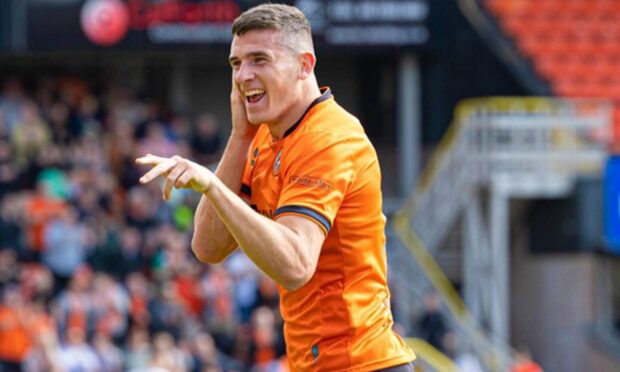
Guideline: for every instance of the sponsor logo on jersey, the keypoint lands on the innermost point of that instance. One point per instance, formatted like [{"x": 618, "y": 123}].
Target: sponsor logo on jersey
[{"x": 276, "y": 164}]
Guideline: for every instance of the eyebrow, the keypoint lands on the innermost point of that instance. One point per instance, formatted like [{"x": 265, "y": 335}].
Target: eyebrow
[{"x": 232, "y": 59}]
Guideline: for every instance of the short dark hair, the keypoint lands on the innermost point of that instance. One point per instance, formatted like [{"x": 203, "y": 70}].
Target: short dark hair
[{"x": 279, "y": 17}]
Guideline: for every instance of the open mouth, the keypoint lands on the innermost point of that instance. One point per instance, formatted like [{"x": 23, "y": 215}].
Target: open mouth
[{"x": 254, "y": 95}]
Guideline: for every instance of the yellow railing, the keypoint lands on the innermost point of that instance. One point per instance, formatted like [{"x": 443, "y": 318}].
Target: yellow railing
[{"x": 431, "y": 356}]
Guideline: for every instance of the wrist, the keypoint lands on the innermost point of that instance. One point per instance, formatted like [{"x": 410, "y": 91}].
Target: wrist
[
  {"x": 241, "y": 136},
  {"x": 208, "y": 185}
]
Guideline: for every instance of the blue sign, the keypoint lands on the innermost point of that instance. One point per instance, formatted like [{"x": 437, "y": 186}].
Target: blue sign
[{"x": 612, "y": 203}]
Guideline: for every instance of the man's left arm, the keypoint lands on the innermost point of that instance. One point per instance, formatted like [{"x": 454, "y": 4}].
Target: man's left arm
[{"x": 287, "y": 249}]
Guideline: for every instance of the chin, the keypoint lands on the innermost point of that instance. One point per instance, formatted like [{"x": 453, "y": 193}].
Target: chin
[
  {"x": 257, "y": 119},
  {"x": 254, "y": 120}
]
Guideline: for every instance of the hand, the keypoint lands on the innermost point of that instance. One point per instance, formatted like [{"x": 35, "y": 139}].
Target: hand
[
  {"x": 178, "y": 172},
  {"x": 242, "y": 128}
]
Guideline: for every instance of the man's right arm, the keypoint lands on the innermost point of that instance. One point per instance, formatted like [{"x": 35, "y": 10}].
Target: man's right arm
[{"x": 212, "y": 242}]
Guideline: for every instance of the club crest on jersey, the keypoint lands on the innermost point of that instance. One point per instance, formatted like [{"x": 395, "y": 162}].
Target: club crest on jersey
[{"x": 276, "y": 164}]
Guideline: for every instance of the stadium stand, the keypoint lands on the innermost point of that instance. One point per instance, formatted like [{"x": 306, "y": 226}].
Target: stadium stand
[{"x": 574, "y": 44}]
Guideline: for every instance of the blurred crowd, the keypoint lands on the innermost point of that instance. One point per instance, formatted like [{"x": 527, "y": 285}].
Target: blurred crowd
[{"x": 96, "y": 273}]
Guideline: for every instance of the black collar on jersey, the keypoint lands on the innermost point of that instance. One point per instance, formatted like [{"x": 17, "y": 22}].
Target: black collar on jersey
[{"x": 325, "y": 94}]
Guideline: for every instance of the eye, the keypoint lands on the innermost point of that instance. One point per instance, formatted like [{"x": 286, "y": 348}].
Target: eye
[
  {"x": 235, "y": 64},
  {"x": 259, "y": 60}
]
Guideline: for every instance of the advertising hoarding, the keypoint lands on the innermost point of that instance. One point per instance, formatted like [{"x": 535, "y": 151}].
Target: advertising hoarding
[{"x": 76, "y": 25}]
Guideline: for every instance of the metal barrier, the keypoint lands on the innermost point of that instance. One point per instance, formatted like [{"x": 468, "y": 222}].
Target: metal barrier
[{"x": 496, "y": 149}]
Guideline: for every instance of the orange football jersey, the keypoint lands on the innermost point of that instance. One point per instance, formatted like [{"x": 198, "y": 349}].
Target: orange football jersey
[{"x": 325, "y": 169}]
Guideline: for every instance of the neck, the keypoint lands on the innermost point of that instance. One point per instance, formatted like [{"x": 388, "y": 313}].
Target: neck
[{"x": 309, "y": 92}]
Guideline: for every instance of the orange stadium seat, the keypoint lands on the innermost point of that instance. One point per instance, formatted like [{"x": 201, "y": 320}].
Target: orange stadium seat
[{"x": 572, "y": 44}]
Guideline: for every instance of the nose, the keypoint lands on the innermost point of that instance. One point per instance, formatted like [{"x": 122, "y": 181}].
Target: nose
[{"x": 244, "y": 73}]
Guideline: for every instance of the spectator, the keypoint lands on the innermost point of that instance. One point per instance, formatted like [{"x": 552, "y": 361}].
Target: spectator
[
  {"x": 206, "y": 140},
  {"x": 111, "y": 307},
  {"x": 76, "y": 354},
  {"x": 166, "y": 312},
  {"x": 180, "y": 130},
  {"x": 21, "y": 321},
  {"x": 11, "y": 102},
  {"x": 187, "y": 287},
  {"x": 217, "y": 287},
  {"x": 138, "y": 351},
  {"x": 245, "y": 278},
  {"x": 131, "y": 257},
  {"x": 431, "y": 326},
  {"x": 110, "y": 355},
  {"x": 73, "y": 307},
  {"x": 11, "y": 222},
  {"x": 524, "y": 363},
  {"x": 44, "y": 355},
  {"x": 15, "y": 340},
  {"x": 166, "y": 355},
  {"x": 29, "y": 136},
  {"x": 267, "y": 292},
  {"x": 87, "y": 117},
  {"x": 264, "y": 341},
  {"x": 219, "y": 315},
  {"x": 36, "y": 281},
  {"x": 59, "y": 115},
  {"x": 156, "y": 141},
  {"x": 120, "y": 147},
  {"x": 139, "y": 299},
  {"x": 65, "y": 246},
  {"x": 41, "y": 208},
  {"x": 465, "y": 361},
  {"x": 141, "y": 208},
  {"x": 9, "y": 268},
  {"x": 9, "y": 171},
  {"x": 206, "y": 357}
]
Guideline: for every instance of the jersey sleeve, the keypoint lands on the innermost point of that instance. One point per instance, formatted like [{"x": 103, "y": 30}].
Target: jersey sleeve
[{"x": 317, "y": 173}]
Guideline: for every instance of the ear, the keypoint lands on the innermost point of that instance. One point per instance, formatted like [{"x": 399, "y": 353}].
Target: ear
[{"x": 307, "y": 63}]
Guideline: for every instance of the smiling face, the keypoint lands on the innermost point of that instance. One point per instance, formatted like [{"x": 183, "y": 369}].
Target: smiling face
[{"x": 267, "y": 74}]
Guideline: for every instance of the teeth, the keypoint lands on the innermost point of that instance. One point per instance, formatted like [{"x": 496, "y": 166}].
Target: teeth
[{"x": 254, "y": 92}]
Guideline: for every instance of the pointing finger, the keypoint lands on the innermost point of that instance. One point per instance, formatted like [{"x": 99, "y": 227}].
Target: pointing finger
[
  {"x": 149, "y": 159},
  {"x": 158, "y": 170}
]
